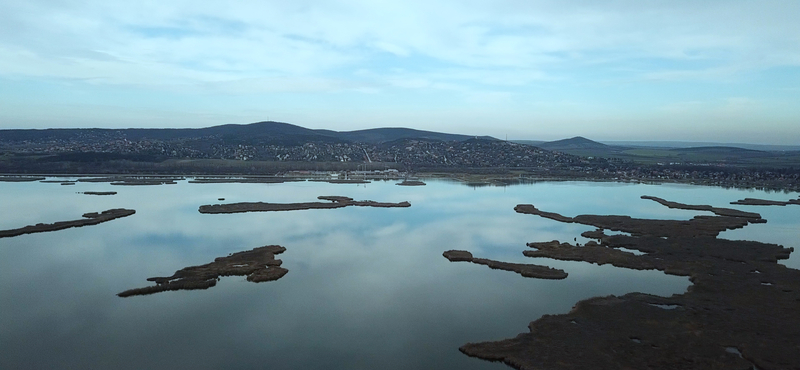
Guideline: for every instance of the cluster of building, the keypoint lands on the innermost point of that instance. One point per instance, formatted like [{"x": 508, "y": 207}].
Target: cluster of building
[
  {"x": 87, "y": 143},
  {"x": 414, "y": 155}
]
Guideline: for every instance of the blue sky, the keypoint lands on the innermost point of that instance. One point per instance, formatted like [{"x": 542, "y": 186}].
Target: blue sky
[{"x": 725, "y": 71}]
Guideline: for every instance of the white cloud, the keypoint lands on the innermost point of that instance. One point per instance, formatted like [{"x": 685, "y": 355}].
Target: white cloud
[
  {"x": 246, "y": 39},
  {"x": 535, "y": 54}
]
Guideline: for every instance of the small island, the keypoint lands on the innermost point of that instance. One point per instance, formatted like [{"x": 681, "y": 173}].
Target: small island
[
  {"x": 133, "y": 181},
  {"x": 258, "y": 264},
  {"x": 93, "y": 218},
  {"x": 335, "y": 202},
  {"x": 764, "y": 202},
  {"x": 244, "y": 180},
  {"x": 693, "y": 207},
  {"x": 100, "y": 192},
  {"x": 738, "y": 313},
  {"x": 526, "y": 270},
  {"x": 144, "y": 182},
  {"x": 20, "y": 179},
  {"x": 411, "y": 183},
  {"x": 342, "y": 181}
]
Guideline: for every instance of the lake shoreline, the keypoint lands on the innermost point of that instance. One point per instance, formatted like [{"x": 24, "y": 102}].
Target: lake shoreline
[{"x": 484, "y": 177}]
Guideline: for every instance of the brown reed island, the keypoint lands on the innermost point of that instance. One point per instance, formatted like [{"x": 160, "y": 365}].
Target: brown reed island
[
  {"x": 335, "y": 202},
  {"x": 242, "y": 180},
  {"x": 764, "y": 202},
  {"x": 93, "y": 218},
  {"x": 342, "y": 181},
  {"x": 133, "y": 181},
  {"x": 411, "y": 183},
  {"x": 742, "y": 311},
  {"x": 258, "y": 264},
  {"x": 526, "y": 270},
  {"x": 693, "y": 207},
  {"x": 20, "y": 178}
]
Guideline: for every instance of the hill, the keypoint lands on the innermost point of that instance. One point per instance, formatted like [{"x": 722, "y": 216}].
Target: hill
[
  {"x": 382, "y": 135},
  {"x": 728, "y": 155},
  {"x": 268, "y": 132},
  {"x": 729, "y": 150},
  {"x": 577, "y": 142},
  {"x": 694, "y": 144}
]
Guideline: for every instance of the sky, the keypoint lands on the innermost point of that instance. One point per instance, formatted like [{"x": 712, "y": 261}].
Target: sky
[{"x": 712, "y": 70}]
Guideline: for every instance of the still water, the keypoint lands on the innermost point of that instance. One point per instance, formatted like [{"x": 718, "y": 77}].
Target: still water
[{"x": 367, "y": 288}]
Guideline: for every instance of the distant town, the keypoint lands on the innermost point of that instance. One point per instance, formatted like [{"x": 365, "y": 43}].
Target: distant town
[{"x": 272, "y": 148}]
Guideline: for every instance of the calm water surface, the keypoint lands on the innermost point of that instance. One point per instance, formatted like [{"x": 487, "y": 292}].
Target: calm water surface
[{"x": 367, "y": 288}]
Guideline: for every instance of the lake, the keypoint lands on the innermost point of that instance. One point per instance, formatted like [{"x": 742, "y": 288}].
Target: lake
[{"x": 367, "y": 288}]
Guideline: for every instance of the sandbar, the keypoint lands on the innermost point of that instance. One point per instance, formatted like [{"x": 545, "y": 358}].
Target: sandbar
[
  {"x": 258, "y": 264},
  {"x": 93, "y": 218}
]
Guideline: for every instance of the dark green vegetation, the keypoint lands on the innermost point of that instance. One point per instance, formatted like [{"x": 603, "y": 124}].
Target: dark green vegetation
[
  {"x": 93, "y": 218},
  {"x": 740, "y": 312},
  {"x": 258, "y": 264}
]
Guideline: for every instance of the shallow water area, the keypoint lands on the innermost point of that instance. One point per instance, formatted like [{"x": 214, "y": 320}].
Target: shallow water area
[{"x": 367, "y": 287}]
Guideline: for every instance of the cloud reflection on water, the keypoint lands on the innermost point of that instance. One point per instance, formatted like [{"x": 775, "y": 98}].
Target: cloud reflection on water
[{"x": 366, "y": 288}]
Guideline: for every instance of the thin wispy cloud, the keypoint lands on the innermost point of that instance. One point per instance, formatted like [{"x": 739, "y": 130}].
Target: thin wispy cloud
[{"x": 644, "y": 54}]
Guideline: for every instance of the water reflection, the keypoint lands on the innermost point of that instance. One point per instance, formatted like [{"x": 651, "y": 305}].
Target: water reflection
[{"x": 368, "y": 288}]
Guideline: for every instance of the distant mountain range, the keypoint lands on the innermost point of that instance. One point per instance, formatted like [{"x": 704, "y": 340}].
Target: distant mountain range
[
  {"x": 253, "y": 141},
  {"x": 579, "y": 142},
  {"x": 659, "y": 153},
  {"x": 270, "y": 132},
  {"x": 277, "y": 144},
  {"x": 694, "y": 144},
  {"x": 255, "y": 133}
]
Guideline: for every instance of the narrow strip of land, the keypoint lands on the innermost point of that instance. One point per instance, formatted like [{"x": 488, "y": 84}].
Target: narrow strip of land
[
  {"x": 93, "y": 218},
  {"x": 694, "y": 207},
  {"x": 245, "y": 180},
  {"x": 20, "y": 179},
  {"x": 334, "y": 202},
  {"x": 411, "y": 183},
  {"x": 764, "y": 202},
  {"x": 526, "y": 270}
]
